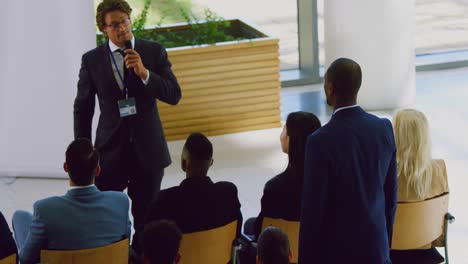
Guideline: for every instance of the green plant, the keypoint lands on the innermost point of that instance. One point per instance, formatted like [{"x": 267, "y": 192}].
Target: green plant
[
  {"x": 210, "y": 30},
  {"x": 139, "y": 23}
]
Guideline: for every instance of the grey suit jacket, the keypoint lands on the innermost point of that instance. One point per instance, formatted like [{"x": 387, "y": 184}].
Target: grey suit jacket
[{"x": 82, "y": 218}]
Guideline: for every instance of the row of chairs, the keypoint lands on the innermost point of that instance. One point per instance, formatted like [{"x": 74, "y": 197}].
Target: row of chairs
[{"x": 416, "y": 224}]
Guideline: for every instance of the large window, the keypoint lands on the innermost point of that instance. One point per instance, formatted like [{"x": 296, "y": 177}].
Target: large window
[
  {"x": 441, "y": 27},
  {"x": 277, "y": 18}
]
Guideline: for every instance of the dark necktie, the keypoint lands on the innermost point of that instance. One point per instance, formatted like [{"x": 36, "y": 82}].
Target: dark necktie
[{"x": 124, "y": 67}]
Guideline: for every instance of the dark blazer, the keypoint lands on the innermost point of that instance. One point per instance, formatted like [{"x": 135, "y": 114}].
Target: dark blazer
[
  {"x": 7, "y": 243},
  {"x": 82, "y": 218},
  {"x": 197, "y": 204},
  {"x": 96, "y": 78},
  {"x": 281, "y": 199},
  {"x": 350, "y": 191}
]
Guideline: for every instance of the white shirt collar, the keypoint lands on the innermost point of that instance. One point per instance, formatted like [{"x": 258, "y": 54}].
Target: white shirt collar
[
  {"x": 80, "y": 187},
  {"x": 344, "y": 107},
  {"x": 114, "y": 47}
]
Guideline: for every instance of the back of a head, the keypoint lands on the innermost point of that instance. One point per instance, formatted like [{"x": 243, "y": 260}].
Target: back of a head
[
  {"x": 346, "y": 76},
  {"x": 199, "y": 147},
  {"x": 299, "y": 126},
  {"x": 82, "y": 160},
  {"x": 411, "y": 132},
  {"x": 273, "y": 246},
  {"x": 413, "y": 144},
  {"x": 161, "y": 242}
]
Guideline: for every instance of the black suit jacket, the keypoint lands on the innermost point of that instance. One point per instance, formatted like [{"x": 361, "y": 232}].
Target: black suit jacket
[
  {"x": 7, "y": 243},
  {"x": 349, "y": 196},
  {"x": 281, "y": 199},
  {"x": 145, "y": 129},
  {"x": 197, "y": 204}
]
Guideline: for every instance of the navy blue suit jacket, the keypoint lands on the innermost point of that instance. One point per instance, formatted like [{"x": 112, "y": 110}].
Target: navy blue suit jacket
[
  {"x": 350, "y": 191},
  {"x": 82, "y": 218}
]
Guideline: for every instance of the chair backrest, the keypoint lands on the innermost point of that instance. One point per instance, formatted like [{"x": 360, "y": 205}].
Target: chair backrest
[
  {"x": 212, "y": 246},
  {"x": 419, "y": 223},
  {"x": 290, "y": 228},
  {"x": 9, "y": 260},
  {"x": 115, "y": 253}
]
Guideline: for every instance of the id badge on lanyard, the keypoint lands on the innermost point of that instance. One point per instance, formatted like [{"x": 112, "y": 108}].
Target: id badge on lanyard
[{"x": 127, "y": 107}]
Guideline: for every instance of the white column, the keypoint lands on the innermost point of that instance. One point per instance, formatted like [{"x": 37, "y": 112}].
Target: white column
[
  {"x": 41, "y": 47},
  {"x": 378, "y": 34}
]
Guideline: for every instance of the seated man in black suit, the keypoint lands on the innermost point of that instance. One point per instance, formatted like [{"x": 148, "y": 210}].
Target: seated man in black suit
[
  {"x": 7, "y": 243},
  {"x": 197, "y": 203},
  {"x": 273, "y": 247},
  {"x": 161, "y": 243}
]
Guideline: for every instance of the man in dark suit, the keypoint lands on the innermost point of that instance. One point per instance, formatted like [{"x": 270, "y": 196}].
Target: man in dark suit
[
  {"x": 83, "y": 218},
  {"x": 197, "y": 203},
  {"x": 350, "y": 185},
  {"x": 161, "y": 243},
  {"x": 129, "y": 135},
  {"x": 7, "y": 243}
]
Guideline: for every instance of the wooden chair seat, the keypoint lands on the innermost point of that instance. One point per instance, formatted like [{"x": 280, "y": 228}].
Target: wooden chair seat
[
  {"x": 116, "y": 253},
  {"x": 212, "y": 246},
  {"x": 9, "y": 260},
  {"x": 420, "y": 223}
]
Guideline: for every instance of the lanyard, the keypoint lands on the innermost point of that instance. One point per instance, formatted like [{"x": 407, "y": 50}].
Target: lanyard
[{"x": 125, "y": 83}]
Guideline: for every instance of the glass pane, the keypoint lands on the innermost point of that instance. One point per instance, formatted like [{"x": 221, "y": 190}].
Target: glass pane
[
  {"x": 321, "y": 32},
  {"x": 441, "y": 25},
  {"x": 276, "y": 18}
]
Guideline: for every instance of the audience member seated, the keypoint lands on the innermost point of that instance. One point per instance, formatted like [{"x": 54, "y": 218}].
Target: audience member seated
[
  {"x": 7, "y": 243},
  {"x": 198, "y": 203},
  {"x": 83, "y": 218},
  {"x": 419, "y": 176},
  {"x": 161, "y": 242},
  {"x": 273, "y": 247},
  {"x": 282, "y": 194}
]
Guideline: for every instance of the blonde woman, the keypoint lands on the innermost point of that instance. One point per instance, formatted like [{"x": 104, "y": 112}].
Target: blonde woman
[{"x": 419, "y": 176}]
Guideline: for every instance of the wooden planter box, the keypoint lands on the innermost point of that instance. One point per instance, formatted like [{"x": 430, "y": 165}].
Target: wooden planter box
[{"x": 226, "y": 87}]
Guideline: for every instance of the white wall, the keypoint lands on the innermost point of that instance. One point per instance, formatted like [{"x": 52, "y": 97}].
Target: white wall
[{"x": 42, "y": 45}]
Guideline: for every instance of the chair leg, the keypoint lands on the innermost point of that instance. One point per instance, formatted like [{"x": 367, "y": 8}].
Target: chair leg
[
  {"x": 449, "y": 218},
  {"x": 235, "y": 254}
]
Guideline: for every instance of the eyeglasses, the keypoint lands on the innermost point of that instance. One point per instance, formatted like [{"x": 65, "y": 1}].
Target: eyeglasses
[{"x": 116, "y": 25}]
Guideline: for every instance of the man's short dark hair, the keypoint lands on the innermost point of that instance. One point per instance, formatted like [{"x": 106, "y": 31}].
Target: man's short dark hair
[
  {"x": 346, "y": 76},
  {"x": 273, "y": 246},
  {"x": 199, "y": 147},
  {"x": 82, "y": 160},
  {"x": 107, "y": 6},
  {"x": 161, "y": 241}
]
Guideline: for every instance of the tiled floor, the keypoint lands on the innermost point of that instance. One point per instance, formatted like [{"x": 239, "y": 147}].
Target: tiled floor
[{"x": 249, "y": 159}]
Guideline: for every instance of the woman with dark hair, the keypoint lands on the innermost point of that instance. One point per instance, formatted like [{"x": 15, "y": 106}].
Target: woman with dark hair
[{"x": 282, "y": 194}]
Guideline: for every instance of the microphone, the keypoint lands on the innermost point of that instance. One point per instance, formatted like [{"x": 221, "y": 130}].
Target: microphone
[{"x": 128, "y": 45}]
